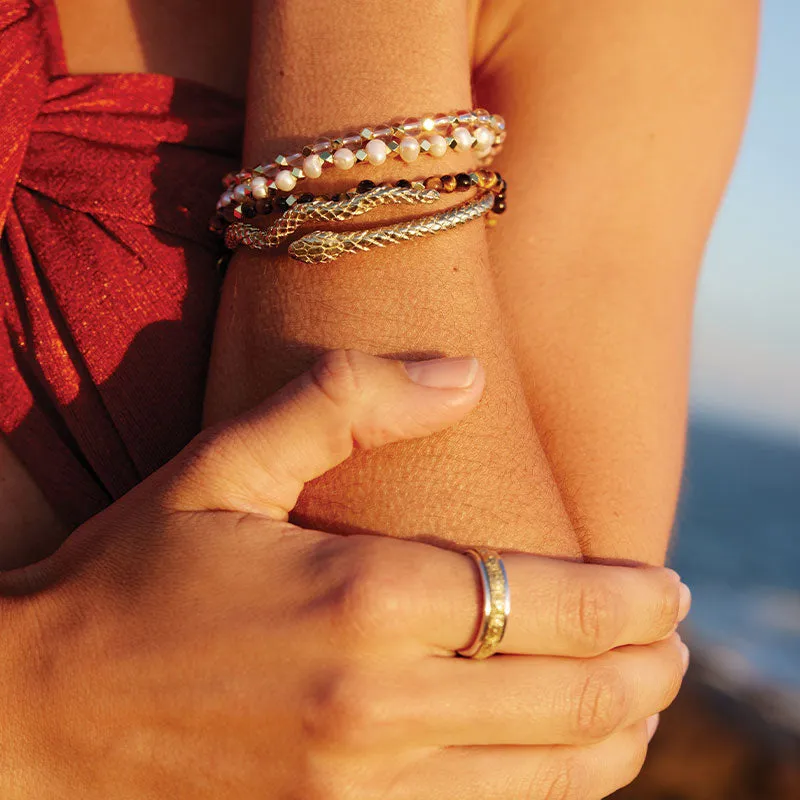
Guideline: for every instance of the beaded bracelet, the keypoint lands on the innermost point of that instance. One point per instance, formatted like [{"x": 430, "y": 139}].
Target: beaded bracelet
[
  {"x": 476, "y": 130},
  {"x": 482, "y": 179}
]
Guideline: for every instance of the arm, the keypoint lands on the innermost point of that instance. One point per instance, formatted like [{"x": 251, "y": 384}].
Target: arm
[
  {"x": 628, "y": 117},
  {"x": 485, "y": 481}
]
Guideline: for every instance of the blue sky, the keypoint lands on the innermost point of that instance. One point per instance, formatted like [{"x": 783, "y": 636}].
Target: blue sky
[{"x": 746, "y": 362}]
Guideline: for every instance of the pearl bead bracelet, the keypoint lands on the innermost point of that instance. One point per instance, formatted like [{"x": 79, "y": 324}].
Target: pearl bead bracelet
[
  {"x": 477, "y": 131},
  {"x": 250, "y": 209}
]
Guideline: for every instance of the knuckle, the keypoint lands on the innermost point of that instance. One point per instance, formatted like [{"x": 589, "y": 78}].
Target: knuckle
[
  {"x": 565, "y": 780},
  {"x": 590, "y": 616},
  {"x": 364, "y": 594},
  {"x": 669, "y": 607},
  {"x": 343, "y": 712},
  {"x": 337, "y": 374},
  {"x": 601, "y": 703}
]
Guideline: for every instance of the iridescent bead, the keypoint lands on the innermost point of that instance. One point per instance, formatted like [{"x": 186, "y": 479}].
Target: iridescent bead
[
  {"x": 409, "y": 149},
  {"x": 442, "y": 122},
  {"x": 463, "y": 138},
  {"x": 258, "y": 187},
  {"x": 239, "y": 193},
  {"x": 343, "y": 158},
  {"x": 438, "y": 145},
  {"x": 484, "y": 138},
  {"x": 376, "y": 151},
  {"x": 466, "y": 118},
  {"x": 383, "y": 131},
  {"x": 312, "y": 166},
  {"x": 320, "y": 145},
  {"x": 412, "y": 127},
  {"x": 285, "y": 181}
]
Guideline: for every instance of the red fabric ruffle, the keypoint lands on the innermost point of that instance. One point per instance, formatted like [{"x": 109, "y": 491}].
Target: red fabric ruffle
[{"x": 107, "y": 283}]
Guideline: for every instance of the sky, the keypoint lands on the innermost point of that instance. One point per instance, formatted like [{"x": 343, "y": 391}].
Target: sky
[{"x": 746, "y": 363}]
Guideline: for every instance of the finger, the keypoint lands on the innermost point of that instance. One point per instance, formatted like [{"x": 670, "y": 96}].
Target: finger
[
  {"x": 523, "y": 700},
  {"x": 259, "y": 462},
  {"x": 535, "y": 773},
  {"x": 558, "y": 607}
]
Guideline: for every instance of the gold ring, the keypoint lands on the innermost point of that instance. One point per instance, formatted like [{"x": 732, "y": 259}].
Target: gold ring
[{"x": 496, "y": 604}]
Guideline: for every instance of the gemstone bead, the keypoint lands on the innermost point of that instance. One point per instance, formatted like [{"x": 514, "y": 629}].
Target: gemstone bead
[
  {"x": 449, "y": 183},
  {"x": 463, "y": 182},
  {"x": 365, "y": 186},
  {"x": 403, "y": 184}
]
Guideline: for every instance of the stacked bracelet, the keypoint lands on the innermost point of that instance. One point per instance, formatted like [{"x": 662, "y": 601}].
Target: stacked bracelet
[
  {"x": 269, "y": 187},
  {"x": 432, "y": 135},
  {"x": 323, "y": 246}
]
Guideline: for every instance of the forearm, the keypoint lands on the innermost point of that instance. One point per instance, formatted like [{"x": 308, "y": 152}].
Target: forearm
[
  {"x": 632, "y": 114},
  {"x": 485, "y": 481}
]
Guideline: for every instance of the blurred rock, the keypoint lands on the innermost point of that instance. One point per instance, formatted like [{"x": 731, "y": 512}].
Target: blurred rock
[{"x": 712, "y": 745}]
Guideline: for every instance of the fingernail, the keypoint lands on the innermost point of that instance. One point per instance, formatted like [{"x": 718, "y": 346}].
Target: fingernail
[
  {"x": 443, "y": 373},
  {"x": 684, "y": 654},
  {"x": 652, "y": 726},
  {"x": 685, "y": 602}
]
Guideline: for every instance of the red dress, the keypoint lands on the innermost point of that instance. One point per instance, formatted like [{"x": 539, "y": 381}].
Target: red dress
[{"x": 108, "y": 284}]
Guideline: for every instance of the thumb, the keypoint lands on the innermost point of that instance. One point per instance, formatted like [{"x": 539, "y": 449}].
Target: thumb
[{"x": 259, "y": 462}]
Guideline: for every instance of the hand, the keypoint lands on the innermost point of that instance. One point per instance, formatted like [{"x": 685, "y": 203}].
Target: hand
[{"x": 189, "y": 642}]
